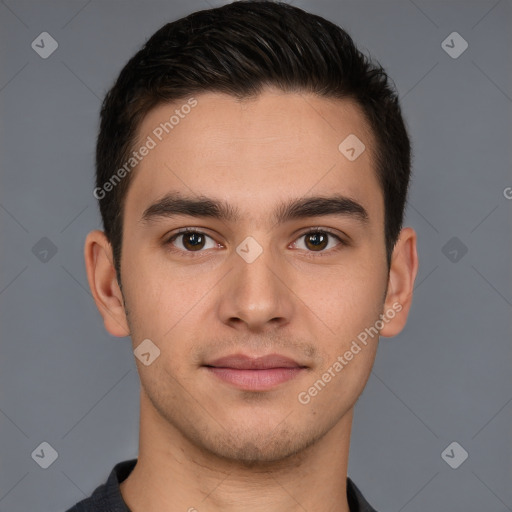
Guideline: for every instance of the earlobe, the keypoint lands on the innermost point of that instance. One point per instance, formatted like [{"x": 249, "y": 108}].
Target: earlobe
[
  {"x": 103, "y": 283},
  {"x": 402, "y": 274}
]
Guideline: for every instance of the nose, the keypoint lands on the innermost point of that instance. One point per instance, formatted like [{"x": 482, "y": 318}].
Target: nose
[{"x": 255, "y": 294}]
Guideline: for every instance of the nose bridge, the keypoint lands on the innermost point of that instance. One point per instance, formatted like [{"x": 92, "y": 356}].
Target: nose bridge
[{"x": 254, "y": 292}]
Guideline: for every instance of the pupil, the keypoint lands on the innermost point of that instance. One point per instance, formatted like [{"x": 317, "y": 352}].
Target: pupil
[
  {"x": 319, "y": 237},
  {"x": 194, "y": 236}
]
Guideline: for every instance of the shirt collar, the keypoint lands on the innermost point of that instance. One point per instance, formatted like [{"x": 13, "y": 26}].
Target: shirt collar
[{"x": 115, "y": 503}]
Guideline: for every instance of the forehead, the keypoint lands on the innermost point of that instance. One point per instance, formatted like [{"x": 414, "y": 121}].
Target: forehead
[{"x": 253, "y": 152}]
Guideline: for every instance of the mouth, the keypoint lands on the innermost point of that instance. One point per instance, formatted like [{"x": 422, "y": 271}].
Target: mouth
[{"x": 255, "y": 374}]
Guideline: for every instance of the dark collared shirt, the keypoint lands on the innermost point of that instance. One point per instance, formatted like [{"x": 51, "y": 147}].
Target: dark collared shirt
[{"x": 107, "y": 497}]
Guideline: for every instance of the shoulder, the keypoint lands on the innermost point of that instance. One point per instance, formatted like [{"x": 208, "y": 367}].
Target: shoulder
[
  {"x": 356, "y": 501},
  {"x": 107, "y": 496}
]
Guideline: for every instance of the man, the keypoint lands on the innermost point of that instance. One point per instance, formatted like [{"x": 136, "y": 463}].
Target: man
[{"x": 252, "y": 173}]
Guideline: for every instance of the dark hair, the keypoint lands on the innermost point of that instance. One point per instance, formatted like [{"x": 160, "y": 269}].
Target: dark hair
[{"x": 238, "y": 49}]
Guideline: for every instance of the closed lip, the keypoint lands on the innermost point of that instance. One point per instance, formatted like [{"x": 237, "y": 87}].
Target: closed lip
[{"x": 245, "y": 362}]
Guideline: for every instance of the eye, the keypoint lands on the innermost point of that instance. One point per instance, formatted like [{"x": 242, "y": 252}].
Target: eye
[
  {"x": 192, "y": 240},
  {"x": 317, "y": 240}
]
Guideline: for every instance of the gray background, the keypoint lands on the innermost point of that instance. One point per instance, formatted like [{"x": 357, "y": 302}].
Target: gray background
[{"x": 445, "y": 378}]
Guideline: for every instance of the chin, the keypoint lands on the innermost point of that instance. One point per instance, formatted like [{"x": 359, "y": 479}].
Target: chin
[{"x": 264, "y": 449}]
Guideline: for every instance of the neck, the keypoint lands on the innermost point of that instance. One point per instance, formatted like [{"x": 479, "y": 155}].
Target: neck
[{"x": 173, "y": 474}]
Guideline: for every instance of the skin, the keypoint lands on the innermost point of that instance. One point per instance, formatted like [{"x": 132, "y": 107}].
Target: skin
[{"x": 205, "y": 444}]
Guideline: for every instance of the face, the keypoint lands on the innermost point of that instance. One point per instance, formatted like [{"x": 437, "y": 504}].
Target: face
[{"x": 288, "y": 303}]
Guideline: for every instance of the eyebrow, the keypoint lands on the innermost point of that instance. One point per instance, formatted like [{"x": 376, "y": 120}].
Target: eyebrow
[{"x": 174, "y": 204}]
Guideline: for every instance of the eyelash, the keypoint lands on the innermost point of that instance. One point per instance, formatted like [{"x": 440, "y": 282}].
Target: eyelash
[{"x": 313, "y": 254}]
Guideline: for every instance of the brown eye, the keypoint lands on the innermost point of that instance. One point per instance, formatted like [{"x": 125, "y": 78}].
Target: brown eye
[
  {"x": 190, "y": 241},
  {"x": 193, "y": 241},
  {"x": 316, "y": 241}
]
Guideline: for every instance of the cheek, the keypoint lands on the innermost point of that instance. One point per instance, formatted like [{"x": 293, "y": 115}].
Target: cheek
[
  {"x": 163, "y": 300},
  {"x": 344, "y": 300},
  {"x": 147, "y": 294},
  {"x": 350, "y": 307}
]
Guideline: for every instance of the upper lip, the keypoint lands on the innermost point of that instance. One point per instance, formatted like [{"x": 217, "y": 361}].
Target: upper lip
[{"x": 244, "y": 362}]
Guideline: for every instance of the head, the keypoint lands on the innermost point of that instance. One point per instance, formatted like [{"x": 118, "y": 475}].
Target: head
[{"x": 248, "y": 104}]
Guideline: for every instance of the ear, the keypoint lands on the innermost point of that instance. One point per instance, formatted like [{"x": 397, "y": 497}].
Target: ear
[
  {"x": 402, "y": 274},
  {"x": 103, "y": 283}
]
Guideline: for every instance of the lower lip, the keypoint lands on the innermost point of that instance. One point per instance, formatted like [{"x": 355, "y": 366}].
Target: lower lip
[{"x": 255, "y": 380}]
